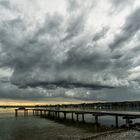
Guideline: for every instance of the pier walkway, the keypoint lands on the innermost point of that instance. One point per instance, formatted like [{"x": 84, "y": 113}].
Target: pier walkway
[{"x": 55, "y": 113}]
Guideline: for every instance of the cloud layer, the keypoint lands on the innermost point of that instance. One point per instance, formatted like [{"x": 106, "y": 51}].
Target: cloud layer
[{"x": 83, "y": 50}]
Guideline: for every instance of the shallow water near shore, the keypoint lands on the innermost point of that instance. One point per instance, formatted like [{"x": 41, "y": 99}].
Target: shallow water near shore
[{"x": 36, "y": 128}]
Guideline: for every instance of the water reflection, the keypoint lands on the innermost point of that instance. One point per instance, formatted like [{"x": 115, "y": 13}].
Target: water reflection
[{"x": 36, "y": 128}]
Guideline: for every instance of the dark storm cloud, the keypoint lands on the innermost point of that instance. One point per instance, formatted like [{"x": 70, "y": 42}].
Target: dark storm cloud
[
  {"x": 86, "y": 58},
  {"x": 61, "y": 57},
  {"x": 130, "y": 28},
  {"x": 34, "y": 67},
  {"x": 40, "y": 66},
  {"x": 9, "y": 91},
  {"x": 65, "y": 84}
]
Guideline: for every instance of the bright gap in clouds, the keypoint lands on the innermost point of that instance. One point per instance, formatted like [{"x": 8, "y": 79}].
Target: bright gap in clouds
[{"x": 53, "y": 6}]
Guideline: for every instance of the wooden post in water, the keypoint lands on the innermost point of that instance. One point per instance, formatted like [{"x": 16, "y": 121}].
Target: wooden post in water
[
  {"x": 96, "y": 119},
  {"x": 45, "y": 114},
  {"x": 64, "y": 116},
  {"x": 77, "y": 116},
  {"x": 49, "y": 114},
  {"x": 41, "y": 113},
  {"x": 72, "y": 116},
  {"x": 53, "y": 115},
  {"x": 16, "y": 112},
  {"x": 116, "y": 118},
  {"x": 33, "y": 112},
  {"x": 83, "y": 119},
  {"x": 58, "y": 115}
]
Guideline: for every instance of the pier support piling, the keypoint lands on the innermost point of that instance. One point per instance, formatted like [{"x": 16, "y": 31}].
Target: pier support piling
[
  {"x": 33, "y": 112},
  {"x": 58, "y": 115},
  {"x": 72, "y": 116},
  {"x": 41, "y": 113},
  {"x": 16, "y": 113},
  {"x": 64, "y": 116},
  {"x": 77, "y": 116},
  {"x": 83, "y": 118},
  {"x": 49, "y": 114},
  {"x": 45, "y": 112},
  {"x": 96, "y": 119},
  {"x": 116, "y": 120}
]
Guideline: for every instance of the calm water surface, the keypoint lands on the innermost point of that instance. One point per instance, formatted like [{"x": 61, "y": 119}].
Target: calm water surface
[{"x": 36, "y": 128}]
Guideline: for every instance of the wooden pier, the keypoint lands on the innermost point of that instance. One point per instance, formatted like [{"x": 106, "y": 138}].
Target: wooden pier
[{"x": 55, "y": 114}]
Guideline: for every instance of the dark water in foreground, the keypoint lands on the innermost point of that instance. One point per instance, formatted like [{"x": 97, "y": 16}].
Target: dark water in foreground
[{"x": 35, "y": 128}]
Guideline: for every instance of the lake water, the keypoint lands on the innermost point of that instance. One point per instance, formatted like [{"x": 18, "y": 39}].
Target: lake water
[{"x": 36, "y": 128}]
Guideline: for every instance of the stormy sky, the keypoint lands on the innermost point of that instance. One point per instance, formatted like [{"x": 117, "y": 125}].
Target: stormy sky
[{"x": 70, "y": 49}]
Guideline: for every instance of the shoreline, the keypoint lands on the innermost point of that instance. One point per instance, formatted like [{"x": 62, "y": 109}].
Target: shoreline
[{"x": 121, "y": 134}]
